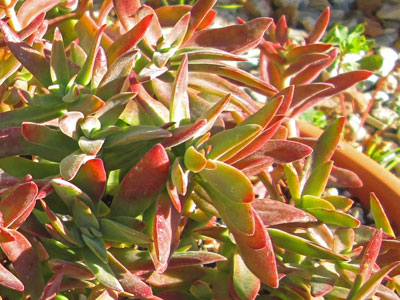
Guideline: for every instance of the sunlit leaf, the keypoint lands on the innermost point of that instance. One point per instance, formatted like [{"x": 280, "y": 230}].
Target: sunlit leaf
[
  {"x": 102, "y": 271},
  {"x": 380, "y": 218}
]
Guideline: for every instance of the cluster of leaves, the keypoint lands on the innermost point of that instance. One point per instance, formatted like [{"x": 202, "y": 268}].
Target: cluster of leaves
[
  {"x": 353, "y": 42},
  {"x": 134, "y": 164}
]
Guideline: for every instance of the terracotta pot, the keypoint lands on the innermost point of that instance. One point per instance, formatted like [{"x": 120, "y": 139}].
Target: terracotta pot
[{"x": 375, "y": 178}]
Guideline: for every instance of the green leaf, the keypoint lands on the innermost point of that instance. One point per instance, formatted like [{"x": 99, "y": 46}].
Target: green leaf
[
  {"x": 129, "y": 40},
  {"x": 241, "y": 76},
  {"x": 318, "y": 179},
  {"x": 83, "y": 216},
  {"x": 132, "y": 134},
  {"x": 179, "y": 177},
  {"x": 18, "y": 166},
  {"x": 58, "y": 60},
  {"x": 179, "y": 104},
  {"x": 97, "y": 246},
  {"x": 45, "y": 136},
  {"x": 367, "y": 290},
  {"x": 334, "y": 217},
  {"x": 30, "y": 58},
  {"x": 309, "y": 201},
  {"x": 194, "y": 160},
  {"x": 380, "y": 218},
  {"x": 231, "y": 139},
  {"x": 302, "y": 246},
  {"x": 372, "y": 62},
  {"x": 327, "y": 143},
  {"x": 265, "y": 114},
  {"x": 71, "y": 164},
  {"x": 246, "y": 284},
  {"x": 102, "y": 271},
  {"x": 229, "y": 182},
  {"x": 112, "y": 82},
  {"x": 116, "y": 232},
  {"x": 68, "y": 192},
  {"x": 293, "y": 183}
]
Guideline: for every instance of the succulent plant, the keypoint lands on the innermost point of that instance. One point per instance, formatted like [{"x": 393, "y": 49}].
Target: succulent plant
[{"x": 135, "y": 164}]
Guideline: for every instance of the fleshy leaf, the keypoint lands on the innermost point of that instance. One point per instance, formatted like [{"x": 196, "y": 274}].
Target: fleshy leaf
[
  {"x": 74, "y": 270},
  {"x": 85, "y": 74},
  {"x": 125, "y": 9},
  {"x": 231, "y": 139},
  {"x": 29, "y": 57},
  {"x": 58, "y": 60},
  {"x": 380, "y": 218},
  {"x": 184, "y": 133},
  {"x": 50, "y": 138},
  {"x": 368, "y": 289},
  {"x": 318, "y": 179},
  {"x": 18, "y": 166},
  {"x": 273, "y": 212},
  {"x": 235, "y": 39},
  {"x": 70, "y": 165},
  {"x": 136, "y": 260},
  {"x": 246, "y": 285},
  {"x": 133, "y": 134},
  {"x": 309, "y": 201},
  {"x": 334, "y": 217},
  {"x": 25, "y": 263},
  {"x": 261, "y": 259},
  {"x": 115, "y": 77},
  {"x": 129, "y": 40},
  {"x": 116, "y": 232},
  {"x": 319, "y": 27},
  {"x": 17, "y": 202},
  {"x": 327, "y": 142},
  {"x": 53, "y": 285},
  {"x": 238, "y": 75},
  {"x": 130, "y": 282},
  {"x": 162, "y": 232},
  {"x": 30, "y": 9},
  {"x": 221, "y": 179},
  {"x": 68, "y": 192},
  {"x": 194, "y": 160},
  {"x": 68, "y": 124},
  {"x": 197, "y": 14},
  {"x": 91, "y": 178},
  {"x": 9, "y": 280},
  {"x": 179, "y": 104},
  {"x": 142, "y": 183},
  {"x": 102, "y": 271},
  {"x": 302, "y": 246}
]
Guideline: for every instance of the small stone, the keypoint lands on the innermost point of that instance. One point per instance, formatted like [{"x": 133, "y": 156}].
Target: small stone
[
  {"x": 259, "y": 8},
  {"x": 388, "y": 38},
  {"x": 359, "y": 132},
  {"x": 388, "y": 11},
  {"x": 286, "y": 3},
  {"x": 337, "y": 15},
  {"x": 331, "y": 192},
  {"x": 308, "y": 18},
  {"x": 319, "y": 4},
  {"x": 290, "y": 12},
  {"x": 373, "y": 28},
  {"x": 385, "y": 114},
  {"x": 390, "y": 56},
  {"x": 369, "y": 7},
  {"x": 342, "y": 4}
]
